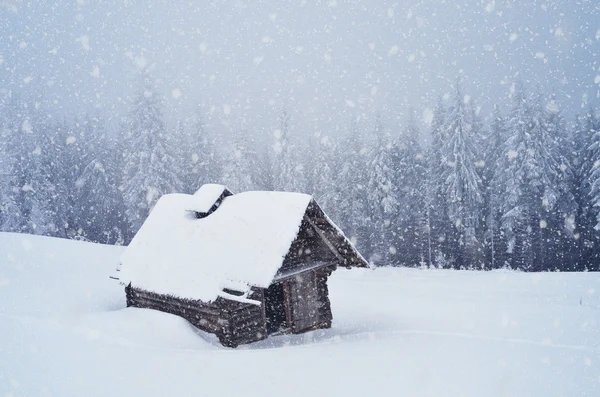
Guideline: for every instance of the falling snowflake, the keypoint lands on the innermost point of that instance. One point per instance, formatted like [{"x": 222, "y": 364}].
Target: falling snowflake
[
  {"x": 26, "y": 127},
  {"x": 176, "y": 93},
  {"x": 85, "y": 42}
]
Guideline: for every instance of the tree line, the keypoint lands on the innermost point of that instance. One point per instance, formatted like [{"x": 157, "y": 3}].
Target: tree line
[{"x": 517, "y": 189}]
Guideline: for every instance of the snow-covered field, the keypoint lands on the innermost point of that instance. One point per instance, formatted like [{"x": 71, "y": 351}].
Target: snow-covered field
[{"x": 65, "y": 331}]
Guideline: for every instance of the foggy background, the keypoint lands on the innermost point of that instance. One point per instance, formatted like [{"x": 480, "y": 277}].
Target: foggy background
[{"x": 328, "y": 61}]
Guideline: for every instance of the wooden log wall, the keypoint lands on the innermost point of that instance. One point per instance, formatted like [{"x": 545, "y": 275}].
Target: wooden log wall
[
  {"x": 234, "y": 323},
  {"x": 246, "y": 323},
  {"x": 325, "y": 314}
]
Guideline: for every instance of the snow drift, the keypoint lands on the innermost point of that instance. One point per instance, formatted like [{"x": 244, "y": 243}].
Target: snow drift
[{"x": 65, "y": 331}]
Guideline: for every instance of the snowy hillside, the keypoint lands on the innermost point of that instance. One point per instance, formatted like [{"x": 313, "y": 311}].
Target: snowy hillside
[{"x": 65, "y": 331}]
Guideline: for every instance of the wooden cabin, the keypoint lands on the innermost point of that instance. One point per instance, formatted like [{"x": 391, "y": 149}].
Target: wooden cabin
[{"x": 242, "y": 266}]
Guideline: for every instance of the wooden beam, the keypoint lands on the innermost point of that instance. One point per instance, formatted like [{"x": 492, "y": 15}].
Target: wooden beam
[
  {"x": 300, "y": 270},
  {"x": 287, "y": 304},
  {"x": 325, "y": 240}
]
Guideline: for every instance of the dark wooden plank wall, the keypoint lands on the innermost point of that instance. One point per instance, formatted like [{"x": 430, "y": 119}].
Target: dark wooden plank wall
[
  {"x": 234, "y": 323},
  {"x": 325, "y": 314},
  {"x": 309, "y": 301},
  {"x": 304, "y": 301}
]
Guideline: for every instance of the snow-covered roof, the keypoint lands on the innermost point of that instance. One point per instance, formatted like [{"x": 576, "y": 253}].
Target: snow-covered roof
[{"x": 240, "y": 245}]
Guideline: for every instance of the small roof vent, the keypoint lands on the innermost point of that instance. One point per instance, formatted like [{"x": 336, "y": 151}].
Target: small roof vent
[{"x": 207, "y": 199}]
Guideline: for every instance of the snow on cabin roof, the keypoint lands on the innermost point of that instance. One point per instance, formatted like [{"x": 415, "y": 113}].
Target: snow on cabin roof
[
  {"x": 242, "y": 244},
  {"x": 203, "y": 200}
]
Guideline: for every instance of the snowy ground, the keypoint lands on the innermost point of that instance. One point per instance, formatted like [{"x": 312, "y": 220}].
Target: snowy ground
[{"x": 65, "y": 331}]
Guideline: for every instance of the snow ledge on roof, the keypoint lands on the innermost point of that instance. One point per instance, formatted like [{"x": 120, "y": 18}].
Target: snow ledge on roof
[{"x": 203, "y": 200}]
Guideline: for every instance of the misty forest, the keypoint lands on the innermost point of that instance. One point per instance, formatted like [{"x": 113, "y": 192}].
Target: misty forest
[
  {"x": 435, "y": 169},
  {"x": 519, "y": 188}
]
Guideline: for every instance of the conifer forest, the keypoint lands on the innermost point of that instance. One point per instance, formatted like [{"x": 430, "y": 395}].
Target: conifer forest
[{"x": 517, "y": 188}]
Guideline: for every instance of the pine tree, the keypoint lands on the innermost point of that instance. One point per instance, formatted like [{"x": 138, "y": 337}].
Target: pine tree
[
  {"x": 560, "y": 242},
  {"x": 590, "y": 165},
  {"x": 100, "y": 204},
  {"x": 493, "y": 156},
  {"x": 64, "y": 159},
  {"x": 264, "y": 169},
  {"x": 27, "y": 193},
  {"x": 436, "y": 227},
  {"x": 580, "y": 156},
  {"x": 149, "y": 167},
  {"x": 284, "y": 167},
  {"x": 200, "y": 159},
  {"x": 382, "y": 195},
  {"x": 410, "y": 170},
  {"x": 528, "y": 179},
  {"x": 318, "y": 173},
  {"x": 240, "y": 167},
  {"x": 39, "y": 192},
  {"x": 10, "y": 213},
  {"x": 461, "y": 184},
  {"x": 324, "y": 191},
  {"x": 351, "y": 188}
]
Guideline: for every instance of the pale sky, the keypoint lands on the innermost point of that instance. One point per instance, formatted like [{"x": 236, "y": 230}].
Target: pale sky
[{"x": 326, "y": 61}]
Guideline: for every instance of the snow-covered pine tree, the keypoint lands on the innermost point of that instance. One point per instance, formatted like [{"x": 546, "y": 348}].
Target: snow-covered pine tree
[
  {"x": 11, "y": 219},
  {"x": 559, "y": 242},
  {"x": 201, "y": 159},
  {"x": 461, "y": 184},
  {"x": 584, "y": 219},
  {"x": 284, "y": 165},
  {"x": 528, "y": 181},
  {"x": 317, "y": 172},
  {"x": 591, "y": 186},
  {"x": 149, "y": 167},
  {"x": 38, "y": 190},
  {"x": 582, "y": 157},
  {"x": 585, "y": 131},
  {"x": 64, "y": 159},
  {"x": 351, "y": 188},
  {"x": 493, "y": 155},
  {"x": 27, "y": 194},
  {"x": 436, "y": 227},
  {"x": 239, "y": 174},
  {"x": 310, "y": 154},
  {"x": 184, "y": 155},
  {"x": 325, "y": 181},
  {"x": 478, "y": 133},
  {"x": 99, "y": 200},
  {"x": 511, "y": 181},
  {"x": 264, "y": 168},
  {"x": 382, "y": 196},
  {"x": 410, "y": 171}
]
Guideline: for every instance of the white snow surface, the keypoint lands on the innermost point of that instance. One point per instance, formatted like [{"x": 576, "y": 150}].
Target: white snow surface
[
  {"x": 65, "y": 331},
  {"x": 242, "y": 244},
  {"x": 205, "y": 197}
]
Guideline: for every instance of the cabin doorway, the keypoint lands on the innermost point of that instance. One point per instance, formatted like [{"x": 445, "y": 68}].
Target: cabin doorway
[{"x": 275, "y": 308}]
